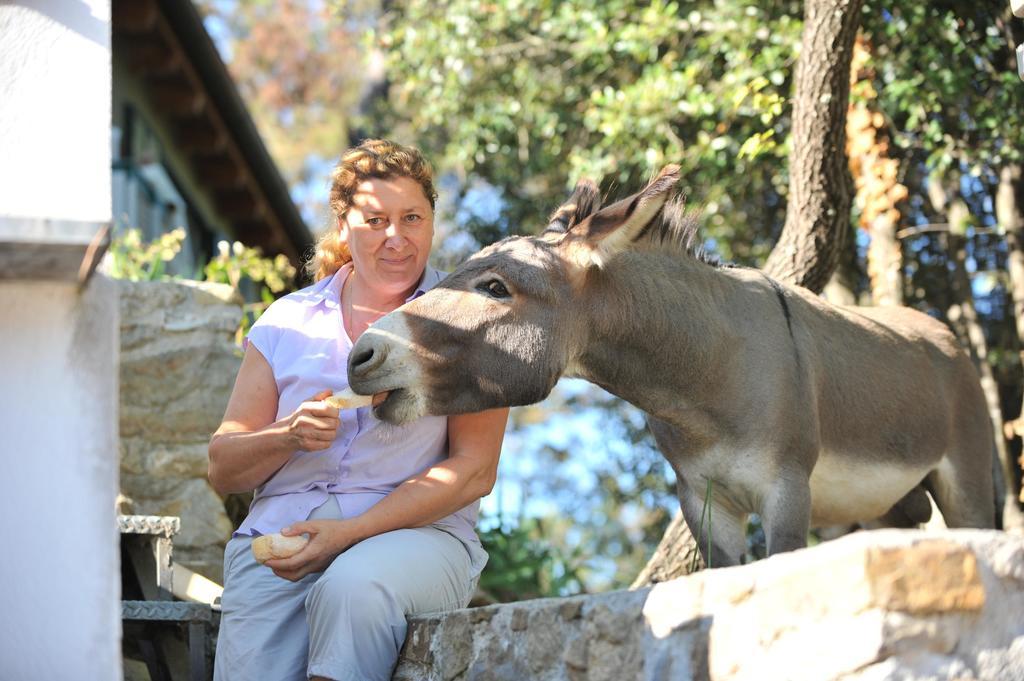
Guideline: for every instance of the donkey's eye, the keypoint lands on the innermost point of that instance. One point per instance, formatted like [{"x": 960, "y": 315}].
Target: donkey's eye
[{"x": 493, "y": 288}]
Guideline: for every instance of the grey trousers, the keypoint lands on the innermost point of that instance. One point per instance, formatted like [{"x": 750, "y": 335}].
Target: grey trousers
[{"x": 348, "y": 622}]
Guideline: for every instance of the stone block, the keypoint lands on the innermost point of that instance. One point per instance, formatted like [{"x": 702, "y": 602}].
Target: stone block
[
  {"x": 889, "y": 604},
  {"x": 178, "y": 366}
]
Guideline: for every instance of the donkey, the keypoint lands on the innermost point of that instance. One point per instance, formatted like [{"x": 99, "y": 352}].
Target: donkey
[{"x": 806, "y": 413}]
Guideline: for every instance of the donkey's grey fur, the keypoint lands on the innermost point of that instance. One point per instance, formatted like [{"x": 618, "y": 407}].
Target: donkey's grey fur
[{"x": 801, "y": 411}]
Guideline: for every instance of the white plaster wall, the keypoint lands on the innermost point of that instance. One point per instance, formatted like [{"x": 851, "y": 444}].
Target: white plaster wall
[
  {"x": 60, "y": 575},
  {"x": 55, "y": 84}
]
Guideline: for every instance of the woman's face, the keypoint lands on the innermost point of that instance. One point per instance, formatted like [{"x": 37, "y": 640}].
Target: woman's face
[{"x": 389, "y": 229}]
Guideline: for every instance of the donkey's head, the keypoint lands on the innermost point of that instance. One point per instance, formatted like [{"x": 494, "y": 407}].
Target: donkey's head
[{"x": 505, "y": 325}]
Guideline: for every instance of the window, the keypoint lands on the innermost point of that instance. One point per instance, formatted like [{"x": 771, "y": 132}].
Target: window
[{"x": 146, "y": 196}]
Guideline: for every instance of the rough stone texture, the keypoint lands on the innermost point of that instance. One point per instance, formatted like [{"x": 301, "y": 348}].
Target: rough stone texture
[
  {"x": 178, "y": 364},
  {"x": 888, "y": 604}
]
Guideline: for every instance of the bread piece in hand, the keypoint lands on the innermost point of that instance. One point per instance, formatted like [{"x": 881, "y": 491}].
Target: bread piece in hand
[
  {"x": 270, "y": 546},
  {"x": 346, "y": 399}
]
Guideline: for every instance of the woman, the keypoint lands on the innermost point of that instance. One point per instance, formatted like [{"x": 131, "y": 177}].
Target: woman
[{"x": 389, "y": 511}]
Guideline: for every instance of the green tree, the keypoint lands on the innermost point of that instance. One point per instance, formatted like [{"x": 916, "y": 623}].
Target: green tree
[
  {"x": 531, "y": 96},
  {"x": 522, "y": 563}
]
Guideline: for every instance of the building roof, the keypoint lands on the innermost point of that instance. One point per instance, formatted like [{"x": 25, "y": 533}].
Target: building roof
[{"x": 169, "y": 47}]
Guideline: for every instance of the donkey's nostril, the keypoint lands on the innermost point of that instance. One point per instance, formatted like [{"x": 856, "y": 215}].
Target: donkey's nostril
[{"x": 364, "y": 360}]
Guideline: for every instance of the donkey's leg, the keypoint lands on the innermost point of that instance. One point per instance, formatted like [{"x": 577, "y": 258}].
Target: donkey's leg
[
  {"x": 962, "y": 484},
  {"x": 714, "y": 524},
  {"x": 963, "y": 492},
  {"x": 724, "y": 525},
  {"x": 786, "y": 513},
  {"x": 912, "y": 510}
]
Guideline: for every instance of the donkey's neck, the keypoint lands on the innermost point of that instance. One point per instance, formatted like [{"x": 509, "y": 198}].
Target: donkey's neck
[{"x": 656, "y": 332}]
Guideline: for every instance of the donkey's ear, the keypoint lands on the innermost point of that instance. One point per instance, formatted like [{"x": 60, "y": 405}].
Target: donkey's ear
[
  {"x": 612, "y": 229},
  {"x": 583, "y": 201}
]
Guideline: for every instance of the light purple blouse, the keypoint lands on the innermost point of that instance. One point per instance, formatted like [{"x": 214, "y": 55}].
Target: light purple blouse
[{"x": 303, "y": 338}]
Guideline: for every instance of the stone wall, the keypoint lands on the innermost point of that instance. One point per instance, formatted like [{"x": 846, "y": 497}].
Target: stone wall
[
  {"x": 874, "y": 605},
  {"x": 178, "y": 364}
]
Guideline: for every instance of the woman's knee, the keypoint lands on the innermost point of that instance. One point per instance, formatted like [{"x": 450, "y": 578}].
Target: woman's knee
[{"x": 353, "y": 590}]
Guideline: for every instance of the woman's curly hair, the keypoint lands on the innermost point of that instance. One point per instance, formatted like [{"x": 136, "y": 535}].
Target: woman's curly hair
[{"x": 371, "y": 159}]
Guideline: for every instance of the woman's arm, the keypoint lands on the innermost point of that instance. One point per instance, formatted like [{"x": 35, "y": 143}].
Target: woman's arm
[
  {"x": 469, "y": 472},
  {"x": 250, "y": 445}
]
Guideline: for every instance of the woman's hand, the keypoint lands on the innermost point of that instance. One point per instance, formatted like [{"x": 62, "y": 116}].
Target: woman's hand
[
  {"x": 314, "y": 425},
  {"x": 327, "y": 538}
]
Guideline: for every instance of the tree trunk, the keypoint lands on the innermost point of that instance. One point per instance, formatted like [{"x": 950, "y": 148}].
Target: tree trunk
[
  {"x": 1011, "y": 220},
  {"x": 818, "y": 214},
  {"x": 875, "y": 174},
  {"x": 885, "y": 263},
  {"x": 841, "y": 289},
  {"x": 676, "y": 555}
]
